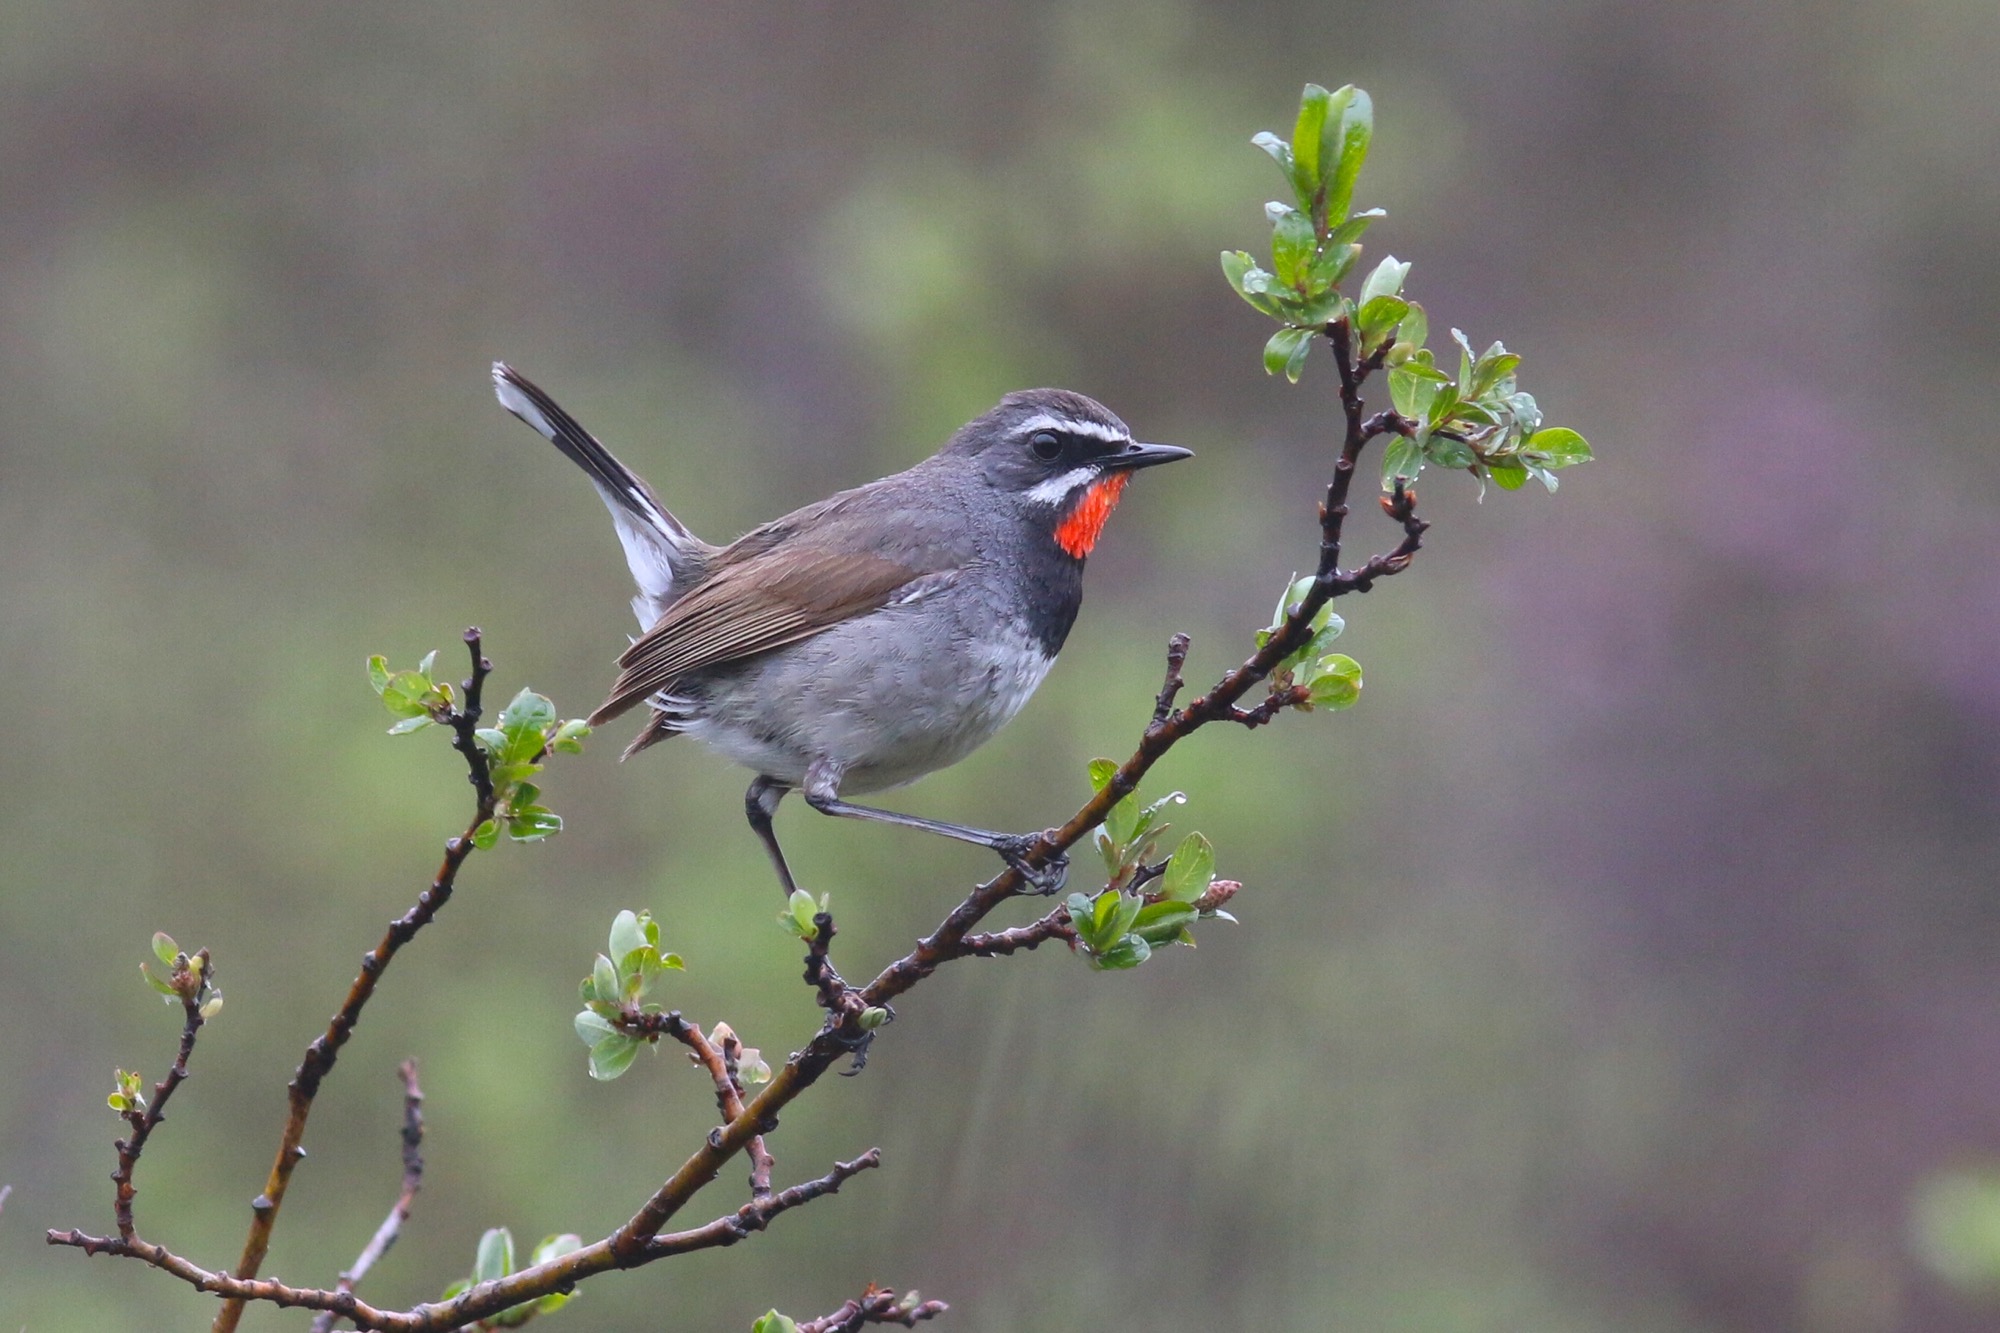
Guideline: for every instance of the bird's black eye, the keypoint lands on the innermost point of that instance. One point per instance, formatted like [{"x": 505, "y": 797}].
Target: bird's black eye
[{"x": 1046, "y": 444}]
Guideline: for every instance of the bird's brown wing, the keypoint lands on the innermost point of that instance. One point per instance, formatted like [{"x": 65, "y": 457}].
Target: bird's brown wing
[{"x": 754, "y": 603}]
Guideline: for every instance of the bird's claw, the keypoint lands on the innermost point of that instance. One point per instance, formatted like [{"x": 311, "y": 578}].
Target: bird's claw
[{"x": 1045, "y": 879}]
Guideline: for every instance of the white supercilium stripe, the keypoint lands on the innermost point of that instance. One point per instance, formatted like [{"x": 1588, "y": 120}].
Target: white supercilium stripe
[{"x": 1096, "y": 430}]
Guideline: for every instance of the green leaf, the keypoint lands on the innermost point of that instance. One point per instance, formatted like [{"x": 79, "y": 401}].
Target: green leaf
[
  {"x": 1492, "y": 374},
  {"x": 408, "y": 725},
  {"x": 592, "y": 1027},
  {"x": 604, "y": 979},
  {"x": 1127, "y": 953},
  {"x": 164, "y": 947},
  {"x": 378, "y": 672},
  {"x": 495, "y": 1256},
  {"x": 1326, "y": 210},
  {"x": 1508, "y": 474},
  {"x": 773, "y": 1322},
  {"x": 532, "y": 823},
  {"x": 1306, "y": 135},
  {"x": 1349, "y": 143},
  {"x": 1101, "y": 771},
  {"x": 1411, "y": 391},
  {"x": 1125, "y": 908},
  {"x": 627, "y": 934},
  {"x": 1378, "y": 318},
  {"x": 802, "y": 909},
  {"x": 1337, "y": 684},
  {"x": 1236, "y": 265},
  {"x": 430, "y": 660},
  {"x": 1557, "y": 447},
  {"x": 1296, "y": 363},
  {"x": 1333, "y": 263},
  {"x": 1293, "y": 248},
  {"x": 1281, "y": 153},
  {"x": 1286, "y": 345},
  {"x": 1415, "y": 327},
  {"x": 612, "y": 1056},
  {"x": 1386, "y": 279},
  {"x": 527, "y": 711},
  {"x": 1447, "y": 452},
  {"x": 555, "y": 1247},
  {"x": 159, "y": 984},
  {"x": 1403, "y": 458},
  {"x": 1354, "y": 228},
  {"x": 1164, "y": 923},
  {"x": 491, "y": 739},
  {"x": 1190, "y": 870},
  {"x": 486, "y": 836}
]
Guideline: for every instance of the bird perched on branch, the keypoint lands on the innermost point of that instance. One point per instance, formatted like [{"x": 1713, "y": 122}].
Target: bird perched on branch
[{"x": 878, "y": 635}]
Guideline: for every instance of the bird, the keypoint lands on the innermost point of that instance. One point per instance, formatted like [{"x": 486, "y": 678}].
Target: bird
[{"x": 880, "y": 634}]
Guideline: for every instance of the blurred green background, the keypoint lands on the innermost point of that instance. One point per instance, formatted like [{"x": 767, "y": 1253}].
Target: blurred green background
[{"x": 1624, "y": 962}]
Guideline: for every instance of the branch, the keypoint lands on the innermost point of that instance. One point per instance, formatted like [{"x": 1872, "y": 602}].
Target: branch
[
  {"x": 877, "y": 1305},
  {"x": 413, "y": 1178},
  {"x": 193, "y": 978},
  {"x": 325, "y": 1048}
]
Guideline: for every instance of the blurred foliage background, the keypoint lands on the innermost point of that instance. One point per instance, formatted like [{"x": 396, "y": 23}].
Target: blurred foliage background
[{"x": 1624, "y": 961}]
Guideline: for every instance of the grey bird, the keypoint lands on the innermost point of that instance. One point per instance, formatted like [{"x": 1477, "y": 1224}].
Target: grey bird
[{"x": 881, "y": 634}]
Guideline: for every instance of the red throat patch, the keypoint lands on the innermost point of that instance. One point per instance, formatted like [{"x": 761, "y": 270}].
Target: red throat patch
[{"x": 1077, "y": 533}]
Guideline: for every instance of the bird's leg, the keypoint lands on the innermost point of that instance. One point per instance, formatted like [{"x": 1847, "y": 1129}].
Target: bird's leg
[
  {"x": 823, "y": 782},
  {"x": 760, "y": 803}
]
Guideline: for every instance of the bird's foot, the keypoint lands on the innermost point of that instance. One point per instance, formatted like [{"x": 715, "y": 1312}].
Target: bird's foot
[{"x": 1044, "y": 879}]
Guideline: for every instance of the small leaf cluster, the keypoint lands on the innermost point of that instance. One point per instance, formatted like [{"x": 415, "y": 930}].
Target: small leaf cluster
[
  {"x": 128, "y": 1095},
  {"x": 1127, "y": 836},
  {"x": 798, "y": 913},
  {"x": 1332, "y": 680},
  {"x": 494, "y": 1259},
  {"x": 188, "y": 977},
  {"x": 412, "y": 695},
  {"x": 1482, "y": 422},
  {"x": 615, "y": 989},
  {"x": 515, "y": 750},
  {"x": 1118, "y": 928},
  {"x": 773, "y": 1322},
  {"x": 1314, "y": 240},
  {"x": 751, "y": 1067}
]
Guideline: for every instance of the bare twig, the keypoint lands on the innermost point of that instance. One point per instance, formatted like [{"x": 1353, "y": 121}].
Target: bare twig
[
  {"x": 1177, "y": 651},
  {"x": 413, "y": 1179},
  {"x": 876, "y": 1305}
]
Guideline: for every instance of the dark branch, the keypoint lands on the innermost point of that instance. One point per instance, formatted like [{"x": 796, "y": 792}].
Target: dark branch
[
  {"x": 413, "y": 1179},
  {"x": 755, "y": 1215},
  {"x": 877, "y": 1305}
]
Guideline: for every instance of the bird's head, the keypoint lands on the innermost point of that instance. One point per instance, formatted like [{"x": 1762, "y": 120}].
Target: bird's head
[{"x": 1063, "y": 457}]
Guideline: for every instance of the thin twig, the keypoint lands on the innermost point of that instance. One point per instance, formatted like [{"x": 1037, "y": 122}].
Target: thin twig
[
  {"x": 876, "y": 1305},
  {"x": 194, "y": 978},
  {"x": 1177, "y": 651},
  {"x": 413, "y": 1179}
]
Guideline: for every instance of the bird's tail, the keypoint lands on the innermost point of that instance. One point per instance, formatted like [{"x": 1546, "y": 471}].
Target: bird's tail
[{"x": 664, "y": 556}]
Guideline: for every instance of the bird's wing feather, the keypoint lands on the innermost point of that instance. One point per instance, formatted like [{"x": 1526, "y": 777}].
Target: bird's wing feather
[{"x": 775, "y": 596}]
